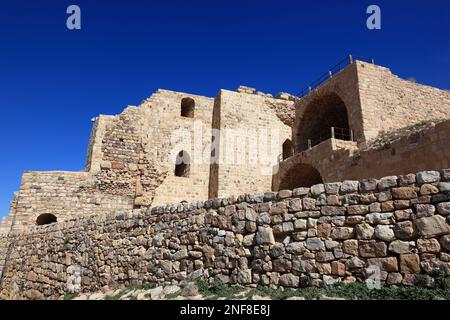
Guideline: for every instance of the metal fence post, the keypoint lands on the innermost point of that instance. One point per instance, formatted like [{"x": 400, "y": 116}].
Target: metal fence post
[{"x": 332, "y": 132}]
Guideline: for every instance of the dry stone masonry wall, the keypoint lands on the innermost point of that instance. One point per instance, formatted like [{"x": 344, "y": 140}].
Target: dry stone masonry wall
[{"x": 318, "y": 236}]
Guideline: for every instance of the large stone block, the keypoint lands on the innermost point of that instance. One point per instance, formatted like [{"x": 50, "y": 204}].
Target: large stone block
[
  {"x": 265, "y": 236},
  {"x": 409, "y": 263},
  {"x": 432, "y": 226}
]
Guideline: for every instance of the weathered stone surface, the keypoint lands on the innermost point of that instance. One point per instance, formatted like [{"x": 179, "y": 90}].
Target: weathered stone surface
[
  {"x": 428, "y": 189},
  {"x": 372, "y": 249},
  {"x": 387, "y": 182},
  {"x": 408, "y": 179},
  {"x": 368, "y": 185},
  {"x": 289, "y": 280},
  {"x": 428, "y": 177},
  {"x": 332, "y": 188},
  {"x": 265, "y": 236},
  {"x": 444, "y": 186},
  {"x": 350, "y": 247},
  {"x": 324, "y": 256},
  {"x": 342, "y": 233},
  {"x": 445, "y": 242},
  {"x": 388, "y": 264},
  {"x": 317, "y": 189},
  {"x": 349, "y": 186},
  {"x": 300, "y": 224},
  {"x": 399, "y": 246},
  {"x": 358, "y": 210},
  {"x": 409, "y": 263},
  {"x": 364, "y": 231},
  {"x": 428, "y": 245},
  {"x": 394, "y": 278},
  {"x": 405, "y": 230},
  {"x": 324, "y": 230},
  {"x": 315, "y": 244},
  {"x": 283, "y": 194},
  {"x": 401, "y": 215},
  {"x": 432, "y": 226},
  {"x": 404, "y": 193},
  {"x": 424, "y": 210},
  {"x": 376, "y": 217},
  {"x": 384, "y": 233},
  {"x": 332, "y": 211},
  {"x": 444, "y": 208},
  {"x": 338, "y": 268}
]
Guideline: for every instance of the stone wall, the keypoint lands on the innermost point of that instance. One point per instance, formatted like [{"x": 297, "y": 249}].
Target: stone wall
[
  {"x": 131, "y": 157},
  {"x": 398, "y": 225},
  {"x": 253, "y": 130},
  {"x": 389, "y": 102},
  {"x": 375, "y": 100},
  {"x": 337, "y": 160},
  {"x": 60, "y": 193}
]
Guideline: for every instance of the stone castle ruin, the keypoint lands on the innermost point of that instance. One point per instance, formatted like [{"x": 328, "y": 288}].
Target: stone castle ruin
[{"x": 269, "y": 165}]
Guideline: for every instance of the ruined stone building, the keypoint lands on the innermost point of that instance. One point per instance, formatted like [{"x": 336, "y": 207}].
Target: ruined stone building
[{"x": 363, "y": 122}]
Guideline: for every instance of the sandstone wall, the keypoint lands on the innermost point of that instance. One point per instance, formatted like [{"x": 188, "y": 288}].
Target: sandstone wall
[
  {"x": 398, "y": 225},
  {"x": 376, "y": 100},
  {"x": 389, "y": 102},
  {"x": 253, "y": 131},
  {"x": 337, "y": 160},
  {"x": 63, "y": 194}
]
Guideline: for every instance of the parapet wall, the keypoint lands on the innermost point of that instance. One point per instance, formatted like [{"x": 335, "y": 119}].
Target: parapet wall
[{"x": 309, "y": 236}]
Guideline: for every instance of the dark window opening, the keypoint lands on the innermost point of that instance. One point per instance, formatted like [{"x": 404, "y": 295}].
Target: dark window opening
[
  {"x": 183, "y": 165},
  {"x": 187, "y": 107},
  {"x": 288, "y": 149},
  {"x": 300, "y": 175},
  {"x": 45, "y": 218},
  {"x": 324, "y": 118}
]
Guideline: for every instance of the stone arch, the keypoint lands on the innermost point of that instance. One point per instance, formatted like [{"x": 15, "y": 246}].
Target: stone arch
[
  {"x": 187, "y": 107},
  {"x": 288, "y": 149},
  {"x": 183, "y": 164},
  {"x": 46, "y": 218},
  {"x": 320, "y": 115},
  {"x": 300, "y": 175}
]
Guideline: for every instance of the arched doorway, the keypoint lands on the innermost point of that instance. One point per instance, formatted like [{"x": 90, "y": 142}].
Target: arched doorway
[
  {"x": 183, "y": 165},
  {"x": 46, "y": 218},
  {"x": 187, "y": 107},
  {"x": 288, "y": 149},
  {"x": 300, "y": 175},
  {"x": 321, "y": 115}
]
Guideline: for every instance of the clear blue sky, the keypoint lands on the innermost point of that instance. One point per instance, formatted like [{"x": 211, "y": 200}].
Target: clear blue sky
[{"x": 53, "y": 81}]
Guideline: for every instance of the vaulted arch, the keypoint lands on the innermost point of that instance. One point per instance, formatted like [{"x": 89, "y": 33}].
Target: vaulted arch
[
  {"x": 300, "y": 175},
  {"x": 323, "y": 113}
]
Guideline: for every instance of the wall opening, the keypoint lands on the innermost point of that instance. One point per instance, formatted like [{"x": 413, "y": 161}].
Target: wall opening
[
  {"x": 46, "y": 218},
  {"x": 187, "y": 107},
  {"x": 321, "y": 115},
  {"x": 288, "y": 149},
  {"x": 183, "y": 165},
  {"x": 300, "y": 175}
]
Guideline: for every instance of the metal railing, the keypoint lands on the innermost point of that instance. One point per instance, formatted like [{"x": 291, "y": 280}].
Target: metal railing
[
  {"x": 332, "y": 133},
  {"x": 332, "y": 72}
]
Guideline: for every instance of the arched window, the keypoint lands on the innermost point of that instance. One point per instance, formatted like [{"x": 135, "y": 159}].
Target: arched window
[
  {"x": 288, "y": 149},
  {"x": 183, "y": 164},
  {"x": 187, "y": 107},
  {"x": 45, "y": 218}
]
